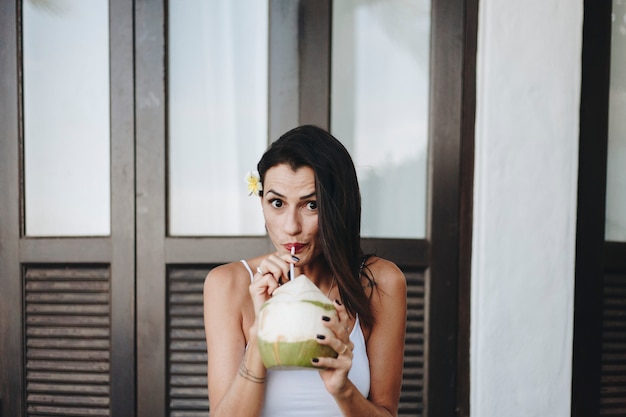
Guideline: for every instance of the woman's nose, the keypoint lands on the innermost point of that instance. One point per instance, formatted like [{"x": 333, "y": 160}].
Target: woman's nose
[{"x": 293, "y": 222}]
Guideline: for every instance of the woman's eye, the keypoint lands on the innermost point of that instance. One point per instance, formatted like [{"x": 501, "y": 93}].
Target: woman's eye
[
  {"x": 276, "y": 203},
  {"x": 312, "y": 205}
]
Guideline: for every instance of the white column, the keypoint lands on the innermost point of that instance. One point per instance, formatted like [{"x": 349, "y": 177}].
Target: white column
[{"x": 527, "y": 117}]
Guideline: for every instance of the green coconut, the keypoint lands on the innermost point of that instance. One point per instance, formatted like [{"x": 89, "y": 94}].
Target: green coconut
[{"x": 289, "y": 322}]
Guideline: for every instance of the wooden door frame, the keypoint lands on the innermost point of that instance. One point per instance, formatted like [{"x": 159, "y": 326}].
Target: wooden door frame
[
  {"x": 592, "y": 150},
  {"x": 12, "y": 357},
  {"x": 594, "y": 255},
  {"x": 453, "y": 104},
  {"x": 116, "y": 251}
]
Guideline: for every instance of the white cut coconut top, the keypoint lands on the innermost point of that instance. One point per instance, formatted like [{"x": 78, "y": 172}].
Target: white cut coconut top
[
  {"x": 294, "y": 312},
  {"x": 301, "y": 288}
]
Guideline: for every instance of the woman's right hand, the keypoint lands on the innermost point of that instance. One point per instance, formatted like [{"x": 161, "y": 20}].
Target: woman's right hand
[{"x": 271, "y": 273}]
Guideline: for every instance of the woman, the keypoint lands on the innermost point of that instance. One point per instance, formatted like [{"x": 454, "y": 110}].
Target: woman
[{"x": 310, "y": 200}]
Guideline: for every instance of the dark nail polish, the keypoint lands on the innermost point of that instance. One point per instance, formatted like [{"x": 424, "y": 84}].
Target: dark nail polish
[
  {"x": 325, "y": 318},
  {"x": 321, "y": 337},
  {"x": 338, "y": 302},
  {"x": 315, "y": 360},
  {"x": 295, "y": 258},
  {"x": 289, "y": 275}
]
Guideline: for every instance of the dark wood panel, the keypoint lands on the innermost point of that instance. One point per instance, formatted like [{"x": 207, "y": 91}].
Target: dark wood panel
[
  {"x": 68, "y": 338},
  {"x": 466, "y": 209},
  {"x": 446, "y": 145},
  {"x": 410, "y": 253},
  {"x": 590, "y": 223},
  {"x": 615, "y": 256},
  {"x": 314, "y": 61}
]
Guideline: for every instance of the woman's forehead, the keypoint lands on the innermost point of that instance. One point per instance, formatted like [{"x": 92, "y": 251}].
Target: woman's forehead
[{"x": 282, "y": 178}]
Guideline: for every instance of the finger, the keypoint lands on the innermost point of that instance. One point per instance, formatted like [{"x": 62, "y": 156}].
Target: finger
[
  {"x": 261, "y": 289},
  {"x": 338, "y": 345},
  {"x": 276, "y": 266},
  {"x": 343, "y": 349},
  {"x": 272, "y": 284},
  {"x": 291, "y": 260},
  {"x": 263, "y": 282},
  {"x": 340, "y": 340},
  {"x": 344, "y": 318},
  {"x": 265, "y": 268},
  {"x": 344, "y": 355},
  {"x": 341, "y": 310},
  {"x": 330, "y": 363}
]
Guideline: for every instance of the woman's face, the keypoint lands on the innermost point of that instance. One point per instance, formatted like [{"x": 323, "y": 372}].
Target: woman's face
[{"x": 290, "y": 210}]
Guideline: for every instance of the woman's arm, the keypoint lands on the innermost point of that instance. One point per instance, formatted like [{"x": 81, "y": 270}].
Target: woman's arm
[
  {"x": 235, "y": 376},
  {"x": 385, "y": 349}
]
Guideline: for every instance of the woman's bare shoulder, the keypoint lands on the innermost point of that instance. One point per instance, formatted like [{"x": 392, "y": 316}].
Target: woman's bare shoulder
[
  {"x": 227, "y": 280},
  {"x": 387, "y": 276}
]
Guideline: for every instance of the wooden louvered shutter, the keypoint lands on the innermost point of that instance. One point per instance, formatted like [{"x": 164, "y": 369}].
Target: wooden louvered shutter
[
  {"x": 187, "y": 353},
  {"x": 67, "y": 341},
  {"x": 613, "y": 351},
  {"x": 411, "y": 396}
]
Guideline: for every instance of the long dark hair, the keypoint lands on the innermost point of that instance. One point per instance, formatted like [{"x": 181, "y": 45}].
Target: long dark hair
[{"x": 339, "y": 205}]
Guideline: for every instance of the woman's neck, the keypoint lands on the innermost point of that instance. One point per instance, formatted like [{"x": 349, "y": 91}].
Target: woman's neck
[{"x": 319, "y": 273}]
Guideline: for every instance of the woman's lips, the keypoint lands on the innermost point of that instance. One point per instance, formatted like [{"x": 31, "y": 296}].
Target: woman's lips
[{"x": 296, "y": 246}]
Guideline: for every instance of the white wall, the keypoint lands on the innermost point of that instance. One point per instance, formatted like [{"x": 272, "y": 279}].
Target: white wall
[{"x": 528, "y": 87}]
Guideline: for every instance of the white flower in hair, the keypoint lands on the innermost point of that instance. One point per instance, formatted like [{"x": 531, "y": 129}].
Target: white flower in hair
[{"x": 254, "y": 183}]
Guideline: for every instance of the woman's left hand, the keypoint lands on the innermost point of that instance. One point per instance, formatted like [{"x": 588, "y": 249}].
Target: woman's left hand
[{"x": 334, "y": 371}]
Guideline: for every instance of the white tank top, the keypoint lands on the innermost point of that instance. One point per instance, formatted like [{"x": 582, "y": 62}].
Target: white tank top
[{"x": 301, "y": 393}]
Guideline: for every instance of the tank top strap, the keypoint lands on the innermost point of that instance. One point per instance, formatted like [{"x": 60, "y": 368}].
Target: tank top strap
[
  {"x": 363, "y": 261},
  {"x": 245, "y": 263}
]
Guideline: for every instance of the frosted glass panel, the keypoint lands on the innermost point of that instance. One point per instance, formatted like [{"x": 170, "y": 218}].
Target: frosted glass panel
[
  {"x": 379, "y": 108},
  {"x": 217, "y": 93},
  {"x": 66, "y": 117},
  {"x": 616, "y": 163}
]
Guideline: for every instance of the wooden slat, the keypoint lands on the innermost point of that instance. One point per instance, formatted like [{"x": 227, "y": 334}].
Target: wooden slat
[
  {"x": 40, "y": 387},
  {"x": 67, "y": 341},
  {"x": 613, "y": 362}
]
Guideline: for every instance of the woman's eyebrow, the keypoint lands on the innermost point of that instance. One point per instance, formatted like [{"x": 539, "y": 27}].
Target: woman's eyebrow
[
  {"x": 274, "y": 192},
  {"x": 304, "y": 197}
]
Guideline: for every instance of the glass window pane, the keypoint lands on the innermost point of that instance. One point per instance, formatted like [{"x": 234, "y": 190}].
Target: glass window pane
[
  {"x": 615, "y": 228},
  {"x": 217, "y": 94},
  {"x": 379, "y": 108},
  {"x": 66, "y": 117}
]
